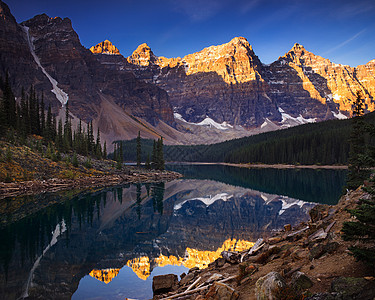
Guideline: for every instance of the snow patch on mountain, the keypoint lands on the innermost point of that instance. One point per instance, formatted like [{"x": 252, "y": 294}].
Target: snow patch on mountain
[
  {"x": 207, "y": 122},
  {"x": 60, "y": 94},
  {"x": 339, "y": 116},
  {"x": 288, "y": 120}
]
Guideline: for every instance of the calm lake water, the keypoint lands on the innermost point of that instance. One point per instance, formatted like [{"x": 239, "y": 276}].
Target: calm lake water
[{"x": 109, "y": 243}]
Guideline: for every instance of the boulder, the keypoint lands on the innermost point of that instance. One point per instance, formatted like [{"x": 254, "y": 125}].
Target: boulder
[
  {"x": 268, "y": 286},
  {"x": 231, "y": 257},
  {"x": 214, "y": 277},
  {"x": 221, "y": 291},
  {"x": 287, "y": 227},
  {"x": 218, "y": 263},
  {"x": 353, "y": 288},
  {"x": 164, "y": 283},
  {"x": 318, "y": 235},
  {"x": 317, "y": 251},
  {"x": 301, "y": 282},
  {"x": 186, "y": 279},
  {"x": 321, "y": 296},
  {"x": 275, "y": 240},
  {"x": 317, "y": 213},
  {"x": 320, "y": 249}
]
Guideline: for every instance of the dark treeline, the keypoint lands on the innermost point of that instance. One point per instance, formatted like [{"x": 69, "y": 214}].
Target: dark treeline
[
  {"x": 319, "y": 143},
  {"x": 325, "y": 143},
  {"x": 141, "y": 150},
  {"x": 30, "y": 116}
]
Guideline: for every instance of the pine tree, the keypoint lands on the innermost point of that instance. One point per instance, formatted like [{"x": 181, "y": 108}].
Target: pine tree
[
  {"x": 25, "y": 124},
  {"x": 42, "y": 116},
  {"x": 358, "y": 158},
  {"x": 90, "y": 139},
  {"x": 37, "y": 116},
  {"x": 154, "y": 156},
  {"x": 105, "y": 150},
  {"x": 78, "y": 145},
  {"x": 68, "y": 140},
  {"x": 362, "y": 230},
  {"x": 148, "y": 165},
  {"x": 114, "y": 152},
  {"x": 59, "y": 136},
  {"x": 49, "y": 130},
  {"x": 33, "y": 111},
  {"x": 160, "y": 155},
  {"x": 54, "y": 131},
  {"x": 139, "y": 150},
  {"x": 3, "y": 124},
  {"x": 121, "y": 154},
  {"x": 9, "y": 104},
  {"x": 98, "y": 146}
]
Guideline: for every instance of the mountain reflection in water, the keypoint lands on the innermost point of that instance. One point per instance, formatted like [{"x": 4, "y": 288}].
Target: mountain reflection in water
[{"x": 144, "y": 229}]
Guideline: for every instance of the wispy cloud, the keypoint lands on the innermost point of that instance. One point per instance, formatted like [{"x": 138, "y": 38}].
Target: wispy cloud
[
  {"x": 249, "y": 6},
  {"x": 353, "y": 9},
  {"x": 198, "y": 10},
  {"x": 345, "y": 42},
  {"x": 274, "y": 17}
]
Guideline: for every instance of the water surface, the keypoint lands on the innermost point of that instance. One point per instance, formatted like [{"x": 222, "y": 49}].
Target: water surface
[{"x": 109, "y": 243}]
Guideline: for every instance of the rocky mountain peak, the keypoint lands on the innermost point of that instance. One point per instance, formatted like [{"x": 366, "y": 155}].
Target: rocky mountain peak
[
  {"x": 298, "y": 47},
  {"x": 142, "y": 56},
  {"x": 5, "y": 12},
  {"x": 105, "y": 47},
  {"x": 296, "y": 52},
  {"x": 241, "y": 42},
  {"x": 234, "y": 61}
]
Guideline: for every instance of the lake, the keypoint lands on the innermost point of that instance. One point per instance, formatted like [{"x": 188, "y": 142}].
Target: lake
[{"x": 109, "y": 243}]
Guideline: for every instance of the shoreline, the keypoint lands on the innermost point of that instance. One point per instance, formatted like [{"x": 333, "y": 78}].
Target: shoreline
[
  {"x": 310, "y": 259},
  {"x": 35, "y": 187},
  {"x": 265, "y": 166}
]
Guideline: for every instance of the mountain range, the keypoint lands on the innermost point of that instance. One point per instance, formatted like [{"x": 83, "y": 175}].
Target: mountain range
[{"x": 219, "y": 93}]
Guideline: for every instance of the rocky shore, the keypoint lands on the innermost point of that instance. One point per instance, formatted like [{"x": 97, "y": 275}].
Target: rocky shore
[
  {"x": 24, "y": 171},
  {"x": 310, "y": 261},
  {"x": 128, "y": 175}
]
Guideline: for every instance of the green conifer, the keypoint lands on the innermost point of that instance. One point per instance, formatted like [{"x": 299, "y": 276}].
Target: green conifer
[
  {"x": 139, "y": 150},
  {"x": 362, "y": 230},
  {"x": 358, "y": 156}
]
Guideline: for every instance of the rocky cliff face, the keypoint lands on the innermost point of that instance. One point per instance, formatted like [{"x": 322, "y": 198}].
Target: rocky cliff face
[
  {"x": 300, "y": 75},
  {"x": 17, "y": 60},
  {"x": 47, "y": 53},
  {"x": 105, "y": 47},
  {"x": 223, "y": 83},
  {"x": 219, "y": 93},
  {"x": 83, "y": 78},
  {"x": 228, "y": 83}
]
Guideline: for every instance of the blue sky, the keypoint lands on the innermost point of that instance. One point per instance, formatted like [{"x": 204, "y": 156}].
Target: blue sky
[{"x": 340, "y": 30}]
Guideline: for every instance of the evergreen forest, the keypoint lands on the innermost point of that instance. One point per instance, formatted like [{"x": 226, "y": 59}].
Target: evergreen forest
[{"x": 324, "y": 143}]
